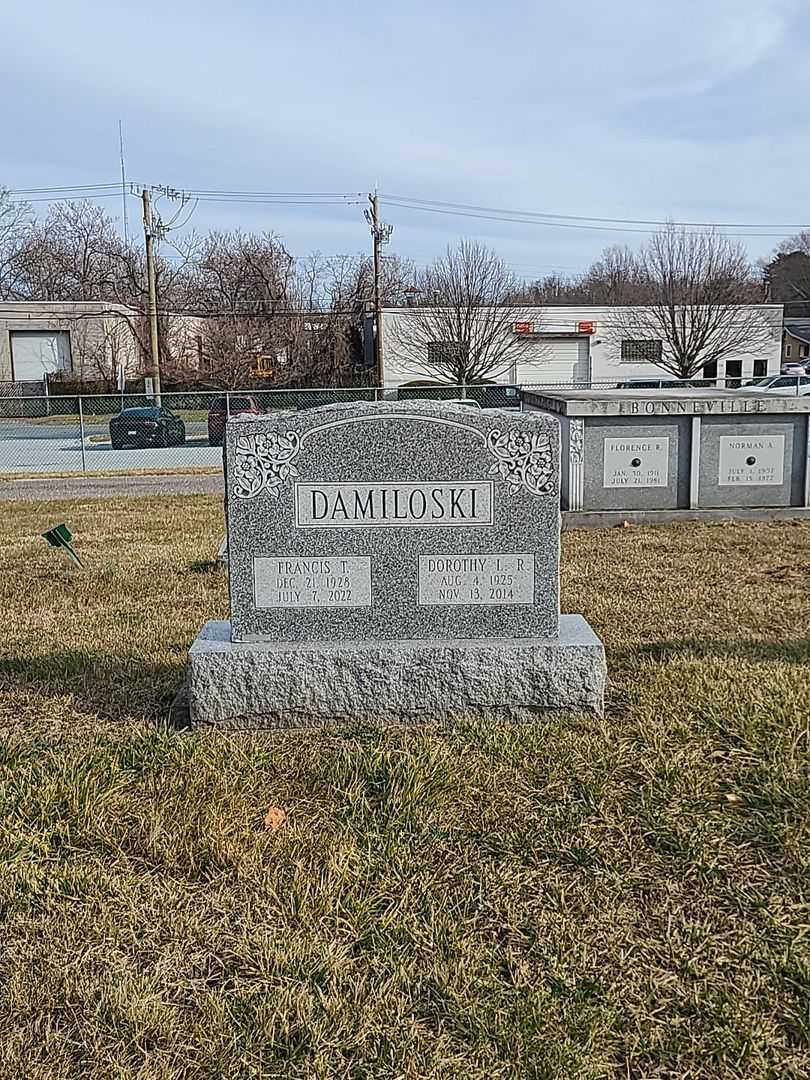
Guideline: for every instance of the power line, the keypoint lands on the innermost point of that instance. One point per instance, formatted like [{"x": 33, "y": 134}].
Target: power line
[
  {"x": 202, "y": 191},
  {"x": 71, "y": 198},
  {"x": 173, "y": 313},
  {"x": 521, "y": 311},
  {"x": 274, "y": 198},
  {"x": 67, "y": 193},
  {"x": 494, "y": 213},
  {"x": 276, "y": 202},
  {"x": 198, "y": 198},
  {"x": 564, "y": 224},
  {"x": 485, "y": 213},
  {"x": 449, "y": 206},
  {"x": 66, "y": 187},
  {"x": 278, "y": 194}
]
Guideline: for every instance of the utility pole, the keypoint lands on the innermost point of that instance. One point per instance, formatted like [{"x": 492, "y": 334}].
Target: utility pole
[
  {"x": 123, "y": 181},
  {"x": 380, "y": 234},
  {"x": 154, "y": 340}
]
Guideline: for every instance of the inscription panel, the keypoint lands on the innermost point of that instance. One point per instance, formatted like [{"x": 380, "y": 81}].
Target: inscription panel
[
  {"x": 290, "y": 582},
  {"x": 756, "y": 459},
  {"x": 640, "y": 462},
  {"x": 393, "y": 504},
  {"x": 476, "y": 579}
]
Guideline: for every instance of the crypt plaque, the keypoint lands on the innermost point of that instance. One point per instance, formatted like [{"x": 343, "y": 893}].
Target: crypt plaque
[
  {"x": 636, "y": 462},
  {"x": 751, "y": 459}
]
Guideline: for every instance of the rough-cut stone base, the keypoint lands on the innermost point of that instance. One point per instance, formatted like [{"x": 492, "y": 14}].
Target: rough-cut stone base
[{"x": 294, "y": 684}]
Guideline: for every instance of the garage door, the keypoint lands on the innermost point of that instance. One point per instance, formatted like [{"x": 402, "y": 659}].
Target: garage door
[
  {"x": 566, "y": 361},
  {"x": 35, "y": 352}
]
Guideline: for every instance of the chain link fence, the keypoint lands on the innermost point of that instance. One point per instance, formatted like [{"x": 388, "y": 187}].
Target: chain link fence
[{"x": 135, "y": 434}]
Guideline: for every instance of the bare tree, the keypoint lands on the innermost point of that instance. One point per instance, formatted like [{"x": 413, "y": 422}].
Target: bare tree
[
  {"x": 103, "y": 344},
  {"x": 332, "y": 294},
  {"x": 465, "y": 331},
  {"x": 319, "y": 350},
  {"x": 696, "y": 312},
  {"x": 398, "y": 284},
  {"x": 74, "y": 253},
  {"x": 787, "y": 272},
  {"x": 16, "y": 221},
  {"x": 798, "y": 242},
  {"x": 549, "y": 290},
  {"x": 617, "y": 277},
  {"x": 324, "y": 346},
  {"x": 238, "y": 284},
  {"x": 237, "y": 271}
]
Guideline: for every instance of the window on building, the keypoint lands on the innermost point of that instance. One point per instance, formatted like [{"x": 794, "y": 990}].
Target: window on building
[
  {"x": 788, "y": 350},
  {"x": 642, "y": 351},
  {"x": 804, "y": 350},
  {"x": 760, "y": 367},
  {"x": 733, "y": 373},
  {"x": 447, "y": 354}
]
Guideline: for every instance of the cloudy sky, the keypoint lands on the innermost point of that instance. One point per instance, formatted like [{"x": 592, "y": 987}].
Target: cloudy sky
[{"x": 690, "y": 110}]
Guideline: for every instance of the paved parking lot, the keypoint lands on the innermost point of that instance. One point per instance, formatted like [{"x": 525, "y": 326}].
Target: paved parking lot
[{"x": 27, "y": 448}]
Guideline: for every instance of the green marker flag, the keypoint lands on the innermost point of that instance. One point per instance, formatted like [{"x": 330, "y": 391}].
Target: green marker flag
[{"x": 59, "y": 537}]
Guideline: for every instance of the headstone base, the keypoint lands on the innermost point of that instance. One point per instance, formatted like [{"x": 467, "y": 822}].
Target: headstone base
[{"x": 295, "y": 684}]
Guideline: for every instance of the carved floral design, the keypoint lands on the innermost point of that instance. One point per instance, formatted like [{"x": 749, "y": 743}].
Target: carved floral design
[
  {"x": 524, "y": 461},
  {"x": 577, "y": 439},
  {"x": 263, "y": 463}
]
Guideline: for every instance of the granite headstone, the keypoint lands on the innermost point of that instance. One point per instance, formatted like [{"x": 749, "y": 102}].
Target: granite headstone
[
  {"x": 371, "y": 545},
  {"x": 397, "y": 520}
]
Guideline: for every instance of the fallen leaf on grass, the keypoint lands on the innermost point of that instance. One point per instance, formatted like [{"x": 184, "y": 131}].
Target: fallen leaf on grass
[{"x": 274, "y": 818}]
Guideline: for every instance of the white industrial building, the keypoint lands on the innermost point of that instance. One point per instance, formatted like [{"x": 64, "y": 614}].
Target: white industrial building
[
  {"x": 82, "y": 339},
  {"x": 568, "y": 346}
]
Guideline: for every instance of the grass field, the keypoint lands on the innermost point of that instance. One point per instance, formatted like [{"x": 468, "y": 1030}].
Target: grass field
[{"x": 584, "y": 897}]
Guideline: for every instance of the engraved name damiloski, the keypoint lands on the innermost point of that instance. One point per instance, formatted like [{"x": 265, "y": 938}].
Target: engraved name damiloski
[{"x": 416, "y": 504}]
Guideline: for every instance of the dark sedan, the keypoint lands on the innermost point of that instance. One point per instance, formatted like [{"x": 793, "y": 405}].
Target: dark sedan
[{"x": 152, "y": 426}]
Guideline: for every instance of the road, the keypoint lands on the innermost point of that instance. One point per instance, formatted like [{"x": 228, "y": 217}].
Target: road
[
  {"x": 68, "y": 428},
  {"x": 28, "y": 448}
]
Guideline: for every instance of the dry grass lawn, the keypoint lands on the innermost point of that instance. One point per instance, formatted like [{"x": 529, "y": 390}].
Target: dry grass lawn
[{"x": 580, "y": 898}]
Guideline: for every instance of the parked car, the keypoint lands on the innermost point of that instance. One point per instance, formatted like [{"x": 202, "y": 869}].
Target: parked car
[
  {"x": 471, "y": 402},
  {"x": 796, "y": 368},
  {"x": 147, "y": 426},
  {"x": 784, "y": 385},
  {"x": 222, "y": 408}
]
